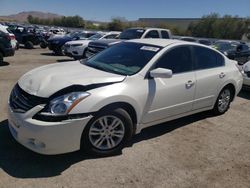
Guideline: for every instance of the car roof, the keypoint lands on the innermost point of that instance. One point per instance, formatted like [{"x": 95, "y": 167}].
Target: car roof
[
  {"x": 158, "y": 42},
  {"x": 166, "y": 42}
]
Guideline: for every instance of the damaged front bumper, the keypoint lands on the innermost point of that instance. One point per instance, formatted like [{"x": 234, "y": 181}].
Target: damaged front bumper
[{"x": 46, "y": 137}]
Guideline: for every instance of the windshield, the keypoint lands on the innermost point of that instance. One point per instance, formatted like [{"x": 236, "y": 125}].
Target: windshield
[
  {"x": 224, "y": 46},
  {"x": 96, "y": 36},
  {"x": 132, "y": 34},
  {"x": 125, "y": 58}
]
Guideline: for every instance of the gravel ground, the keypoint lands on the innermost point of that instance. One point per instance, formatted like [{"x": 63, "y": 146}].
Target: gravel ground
[{"x": 196, "y": 151}]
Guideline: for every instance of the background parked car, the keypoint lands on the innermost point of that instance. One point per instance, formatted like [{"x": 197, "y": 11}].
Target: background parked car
[
  {"x": 77, "y": 49},
  {"x": 56, "y": 43},
  {"x": 132, "y": 33},
  {"x": 12, "y": 37},
  {"x": 234, "y": 50},
  {"x": 23, "y": 36},
  {"x": 6, "y": 48}
]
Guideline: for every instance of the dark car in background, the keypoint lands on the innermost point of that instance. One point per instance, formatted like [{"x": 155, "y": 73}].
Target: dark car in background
[
  {"x": 26, "y": 36},
  {"x": 234, "y": 50},
  {"x": 56, "y": 43},
  {"x": 6, "y": 48}
]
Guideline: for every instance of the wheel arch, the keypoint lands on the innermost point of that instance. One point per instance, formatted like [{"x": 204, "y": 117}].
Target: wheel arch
[{"x": 127, "y": 107}]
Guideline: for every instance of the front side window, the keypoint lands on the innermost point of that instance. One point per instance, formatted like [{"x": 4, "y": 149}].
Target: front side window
[
  {"x": 178, "y": 60},
  {"x": 206, "y": 58},
  {"x": 96, "y": 36},
  {"x": 152, "y": 34},
  {"x": 125, "y": 58},
  {"x": 111, "y": 36}
]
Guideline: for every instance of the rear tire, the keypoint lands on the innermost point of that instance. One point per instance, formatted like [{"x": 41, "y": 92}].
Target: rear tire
[
  {"x": 223, "y": 101},
  {"x": 108, "y": 132},
  {"x": 29, "y": 45}
]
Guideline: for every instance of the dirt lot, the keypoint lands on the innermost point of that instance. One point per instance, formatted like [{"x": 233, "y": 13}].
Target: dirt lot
[{"x": 197, "y": 151}]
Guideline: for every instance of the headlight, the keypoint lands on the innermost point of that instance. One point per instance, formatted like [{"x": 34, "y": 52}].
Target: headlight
[{"x": 64, "y": 104}]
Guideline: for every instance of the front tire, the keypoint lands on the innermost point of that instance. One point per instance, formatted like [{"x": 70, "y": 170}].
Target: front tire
[
  {"x": 29, "y": 45},
  {"x": 108, "y": 132},
  {"x": 223, "y": 101}
]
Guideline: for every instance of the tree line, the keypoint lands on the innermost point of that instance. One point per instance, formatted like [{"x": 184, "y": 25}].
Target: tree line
[
  {"x": 65, "y": 21},
  {"x": 215, "y": 26},
  {"x": 210, "y": 26}
]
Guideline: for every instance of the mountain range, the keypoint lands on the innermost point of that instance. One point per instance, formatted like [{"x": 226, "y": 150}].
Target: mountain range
[{"x": 22, "y": 16}]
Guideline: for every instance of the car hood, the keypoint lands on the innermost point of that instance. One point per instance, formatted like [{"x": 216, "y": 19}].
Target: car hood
[
  {"x": 84, "y": 42},
  {"x": 104, "y": 42},
  {"x": 63, "y": 38},
  {"x": 47, "y": 80}
]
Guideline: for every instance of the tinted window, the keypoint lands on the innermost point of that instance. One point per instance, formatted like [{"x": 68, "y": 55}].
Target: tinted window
[
  {"x": 178, "y": 60},
  {"x": 164, "y": 35},
  {"x": 132, "y": 34},
  {"x": 152, "y": 34},
  {"x": 206, "y": 58},
  {"x": 112, "y": 36},
  {"x": 126, "y": 58}
]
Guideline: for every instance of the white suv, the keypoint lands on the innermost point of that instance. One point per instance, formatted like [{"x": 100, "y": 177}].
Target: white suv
[
  {"x": 100, "y": 103},
  {"x": 77, "y": 49}
]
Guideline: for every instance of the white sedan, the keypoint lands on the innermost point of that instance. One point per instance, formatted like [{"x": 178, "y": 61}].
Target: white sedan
[
  {"x": 101, "y": 102},
  {"x": 77, "y": 49}
]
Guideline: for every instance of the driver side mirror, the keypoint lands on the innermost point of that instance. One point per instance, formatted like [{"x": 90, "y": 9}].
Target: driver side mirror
[{"x": 161, "y": 73}]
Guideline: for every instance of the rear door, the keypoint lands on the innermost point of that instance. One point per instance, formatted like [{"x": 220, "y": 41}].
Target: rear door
[{"x": 210, "y": 75}]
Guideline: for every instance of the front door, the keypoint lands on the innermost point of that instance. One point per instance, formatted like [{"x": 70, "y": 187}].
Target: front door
[{"x": 171, "y": 96}]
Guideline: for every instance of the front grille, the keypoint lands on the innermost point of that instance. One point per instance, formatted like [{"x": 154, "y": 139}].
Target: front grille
[{"x": 20, "y": 101}]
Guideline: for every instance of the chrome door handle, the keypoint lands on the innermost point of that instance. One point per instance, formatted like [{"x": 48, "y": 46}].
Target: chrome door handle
[
  {"x": 222, "y": 75},
  {"x": 189, "y": 84}
]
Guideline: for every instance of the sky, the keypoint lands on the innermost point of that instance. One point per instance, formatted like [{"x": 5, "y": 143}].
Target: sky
[{"x": 105, "y": 10}]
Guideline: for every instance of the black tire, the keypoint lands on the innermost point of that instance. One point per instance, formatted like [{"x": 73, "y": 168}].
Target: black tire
[
  {"x": 58, "y": 51},
  {"x": 29, "y": 45},
  {"x": 84, "y": 54},
  {"x": 43, "y": 44},
  {"x": 128, "y": 125},
  {"x": 1, "y": 57},
  {"x": 17, "y": 46},
  {"x": 219, "y": 111}
]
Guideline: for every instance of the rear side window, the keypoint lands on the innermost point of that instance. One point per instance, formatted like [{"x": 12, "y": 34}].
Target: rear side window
[
  {"x": 165, "y": 35},
  {"x": 178, "y": 60},
  {"x": 206, "y": 58},
  {"x": 152, "y": 34},
  {"x": 112, "y": 36}
]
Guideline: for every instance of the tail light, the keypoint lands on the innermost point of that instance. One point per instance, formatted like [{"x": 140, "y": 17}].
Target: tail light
[{"x": 12, "y": 37}]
